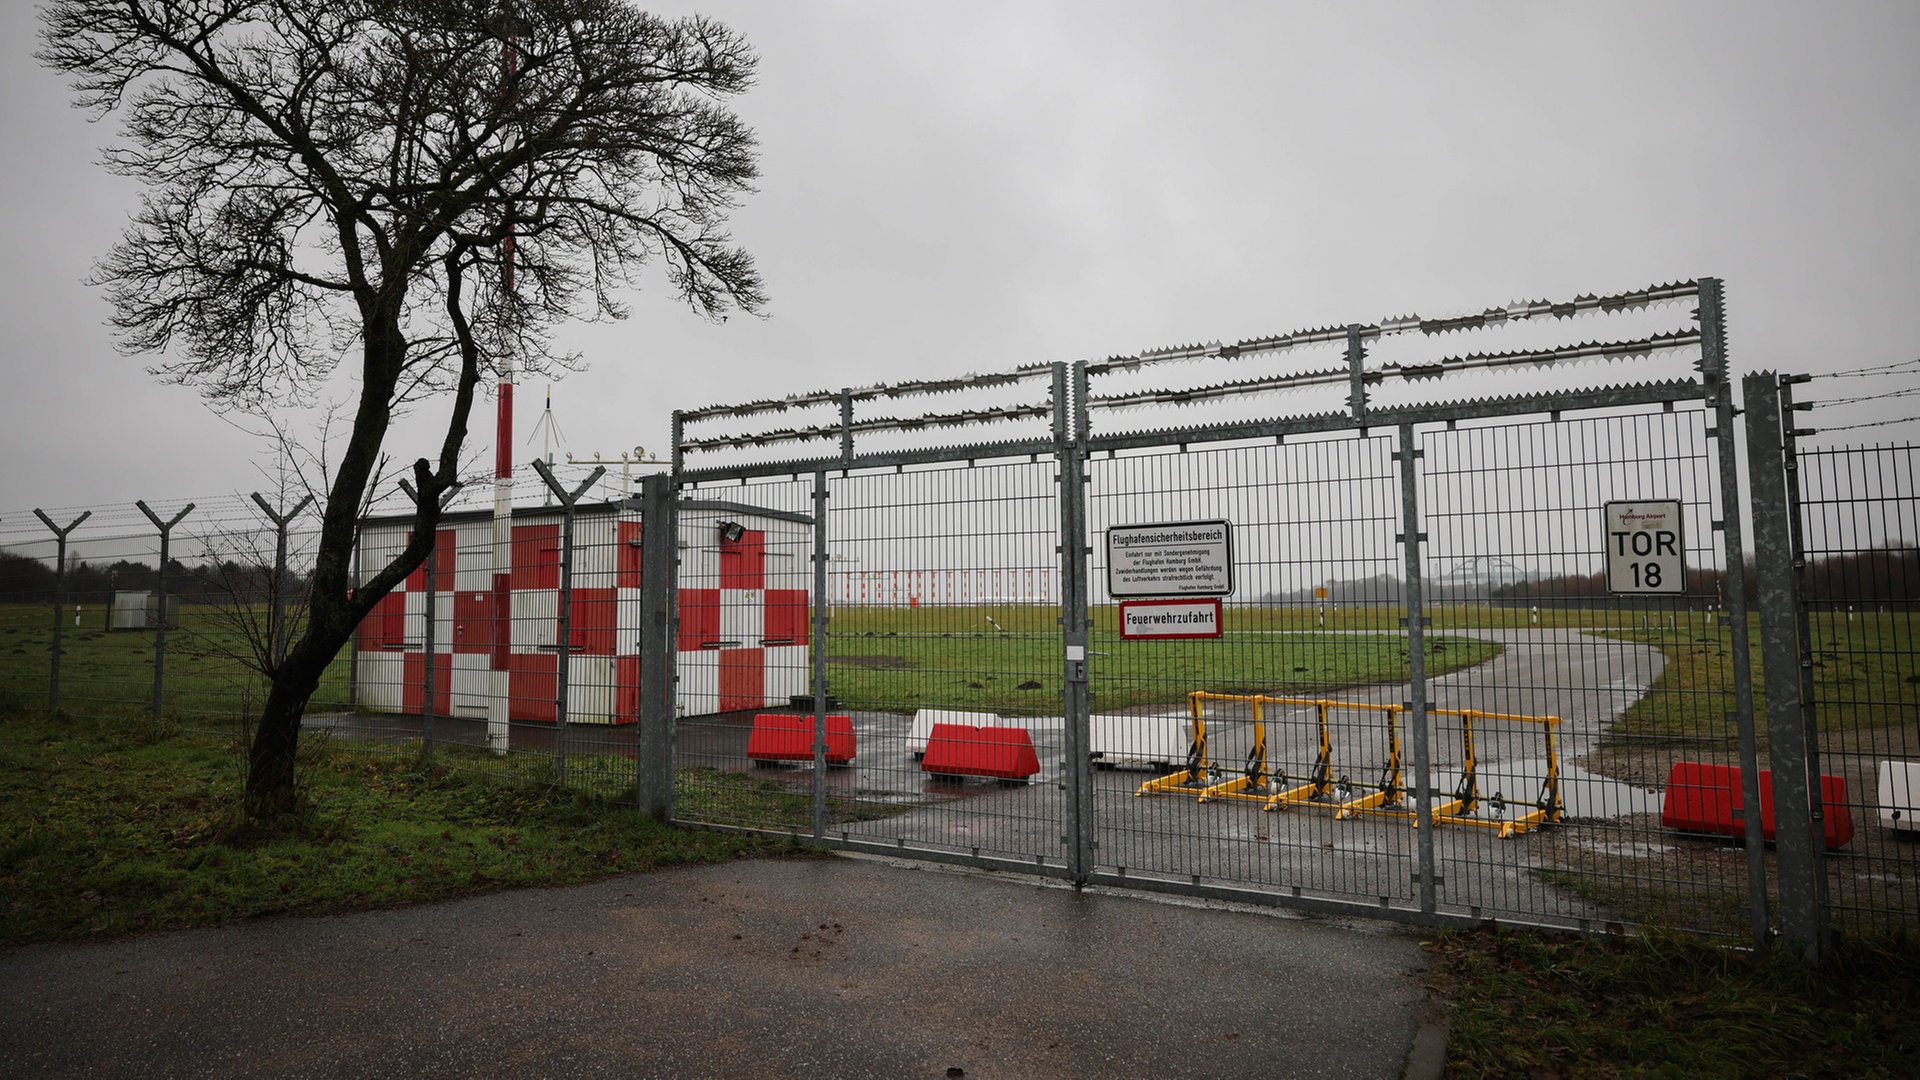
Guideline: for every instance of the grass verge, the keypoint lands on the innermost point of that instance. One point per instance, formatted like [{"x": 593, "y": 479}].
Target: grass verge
[
  {"x": 1531, "y": 1005},
  {"x": 118, "y": 824}
]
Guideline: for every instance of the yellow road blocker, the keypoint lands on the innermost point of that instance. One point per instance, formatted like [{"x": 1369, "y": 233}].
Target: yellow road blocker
[
  {"x": 1192, "y": 779},
  {"x": 1320, "y": 783},
  {"x": 1547, "y": 807},
  {"x": 1255, "y": 781},
  {"x": 1260, "y": 782}
]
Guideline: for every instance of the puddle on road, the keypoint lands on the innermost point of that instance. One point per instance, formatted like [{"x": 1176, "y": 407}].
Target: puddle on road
[{"x": 1583, "y": 794}]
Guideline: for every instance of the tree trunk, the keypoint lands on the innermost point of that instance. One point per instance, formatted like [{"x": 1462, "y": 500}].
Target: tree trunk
[
  {"x": 271, "y": 790},
  {"x": 336, "y": 603},
  {"x": 335, "y": 606}
]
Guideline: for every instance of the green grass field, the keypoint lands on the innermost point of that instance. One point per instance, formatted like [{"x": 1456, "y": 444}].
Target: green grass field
[
  {"x": 104, "y": 669},
  {"x": 896, "y": 659},
  {"x": 1865, "y": 668},
  {"x": 883, "y": 661}
]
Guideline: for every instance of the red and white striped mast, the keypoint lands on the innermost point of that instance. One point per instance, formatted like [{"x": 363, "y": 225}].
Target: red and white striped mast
[{"x": 499, "y": 690}]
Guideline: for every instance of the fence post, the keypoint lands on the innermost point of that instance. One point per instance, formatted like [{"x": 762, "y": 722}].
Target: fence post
[
  {"x": 1719, "y": 399},
  {"x": 59, "y": 595},
  {"x": 1799, "y": 839},
  {"x": 563, "y": 635},
  {"x": 160, "y": 625},
  {"x": 1803, "y": 625},
  {"x": 1417, "y": 705},
  {"x": 276, "y": 624},
  {"x": 1070, "y": 441},
  {"x": 819, "y": 639},
  {"x": 659, "y": 558},
  {"x": 428, "y": 687}
]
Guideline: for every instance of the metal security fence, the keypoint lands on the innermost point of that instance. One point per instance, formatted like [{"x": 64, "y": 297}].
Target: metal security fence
[
  {"x": 1411, "y": 644},
  {"x": 1455, "y": 674},
  {"x": 1621, "y": 688},
  {"x": 81, "y": 629},
  {"x": 165, "y": 608},
  {"x": 1843, "y": 667}
]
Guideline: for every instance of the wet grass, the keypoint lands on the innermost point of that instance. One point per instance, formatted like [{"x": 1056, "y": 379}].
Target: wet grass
[
  {"x": 103, "y": 669},
  {"x": 117, "y": 824},
  {"x": 1865, "y": 667},
  {"x": 719, "y": 797},
  {"x": 1008, "y": 660},
  {"x": 1530, "y": 1005}
]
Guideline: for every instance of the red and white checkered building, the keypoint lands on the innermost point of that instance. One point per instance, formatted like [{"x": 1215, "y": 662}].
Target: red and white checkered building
[{"x": 743, "y": 615}]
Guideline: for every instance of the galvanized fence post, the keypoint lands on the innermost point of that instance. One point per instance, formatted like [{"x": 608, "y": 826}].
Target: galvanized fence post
[
  {"x": 819, "y": 638},
  {"x": 1070, "y": 442},
  {"x": 563, "y": 636},
  {"x": 1411, "y": 537},
  {"x": 276, "y": 621},
  {"x": 160, "y": 622},
  {"x": 1803, "y": 626},
  {"x": 59, "y": 596},
  {"x": 1719, "y": 398},
  {"x": 353, "y": 641},
  {"x": 1798, "y": 833},
  {"x": 659, "y": 559},
  {"x": 428, "y": 685}
]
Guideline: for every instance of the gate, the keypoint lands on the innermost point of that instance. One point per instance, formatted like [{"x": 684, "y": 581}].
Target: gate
[{"x": 1420, "y": 694}]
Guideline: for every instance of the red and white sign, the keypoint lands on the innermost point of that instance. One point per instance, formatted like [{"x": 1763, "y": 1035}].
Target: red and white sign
[{"x": 1164, "y": 619}]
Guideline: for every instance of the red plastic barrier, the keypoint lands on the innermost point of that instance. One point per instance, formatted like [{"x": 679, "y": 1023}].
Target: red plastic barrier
[
  {"x": 786, "y": 737},
  {"x": 1703, "y": 798},
  {"x": 965, "y": 750}
]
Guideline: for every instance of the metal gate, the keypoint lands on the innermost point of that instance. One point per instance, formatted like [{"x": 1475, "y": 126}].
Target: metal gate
[{"x": 1420, "y": 695}]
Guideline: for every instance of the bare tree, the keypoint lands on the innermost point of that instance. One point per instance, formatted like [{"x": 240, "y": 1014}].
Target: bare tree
[{"x": 332, "y": 181}]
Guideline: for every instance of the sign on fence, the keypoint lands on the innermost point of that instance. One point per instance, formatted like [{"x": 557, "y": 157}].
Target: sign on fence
[
  {"x": 1645, "y": 553},
  {"x": 1181, "y": 558},
  {"x": 1170, "y": 619}
]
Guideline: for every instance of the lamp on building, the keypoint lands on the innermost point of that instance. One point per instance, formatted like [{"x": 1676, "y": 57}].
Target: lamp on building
[{"x": 732, "y": 531}]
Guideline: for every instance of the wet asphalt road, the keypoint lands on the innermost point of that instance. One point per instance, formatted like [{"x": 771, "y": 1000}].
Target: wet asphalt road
[{"x": 832, "y": 967}]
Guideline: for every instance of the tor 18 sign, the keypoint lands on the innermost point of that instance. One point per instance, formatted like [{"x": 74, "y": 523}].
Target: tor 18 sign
[{"x": 1646, "y": 550}]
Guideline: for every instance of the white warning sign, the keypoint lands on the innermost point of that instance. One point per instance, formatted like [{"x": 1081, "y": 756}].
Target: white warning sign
[
  {"x": 1180, "y": 558},
  {"x": 1646, "y": 550}
]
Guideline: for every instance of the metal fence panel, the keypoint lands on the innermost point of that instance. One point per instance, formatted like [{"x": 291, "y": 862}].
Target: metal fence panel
[
  {"x": 1316, "y": 615},
  {"x": 1860, "y": 594},
  {"x": 1594, "y": 696}
]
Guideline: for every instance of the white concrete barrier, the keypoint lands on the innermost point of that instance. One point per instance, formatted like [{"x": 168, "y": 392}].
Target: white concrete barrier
[
  {"x": 1139, "y": 742},
  {"x": 1900, "y": 795},
  {"x": 924, "y": 720}
]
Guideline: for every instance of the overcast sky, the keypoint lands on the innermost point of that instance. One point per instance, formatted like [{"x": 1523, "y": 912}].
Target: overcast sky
[{"x": 969, "y": 187}]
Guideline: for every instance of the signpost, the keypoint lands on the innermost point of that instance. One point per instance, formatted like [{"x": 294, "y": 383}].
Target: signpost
[
  {"x": 1645, "y": 547},
  {"x": 1182, "y": 558}
]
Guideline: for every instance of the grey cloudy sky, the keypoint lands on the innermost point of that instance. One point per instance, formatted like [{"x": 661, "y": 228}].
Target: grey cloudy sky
[{"x": 968, "y": 187}]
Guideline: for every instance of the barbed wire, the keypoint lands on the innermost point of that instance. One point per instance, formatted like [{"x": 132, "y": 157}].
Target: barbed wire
[
  {"x": 1822, "y": 403},
  {"x": 1863, "y": 424},
  {"x": 226, "y": 515},
  {"x": 1868, "y": 372}
]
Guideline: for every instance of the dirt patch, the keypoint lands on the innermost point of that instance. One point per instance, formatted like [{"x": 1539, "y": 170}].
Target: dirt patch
[{"x": 888, "y": 663}]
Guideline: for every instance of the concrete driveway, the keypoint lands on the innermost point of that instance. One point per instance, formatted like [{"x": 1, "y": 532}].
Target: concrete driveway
[{"x": 830, "y": 967}]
